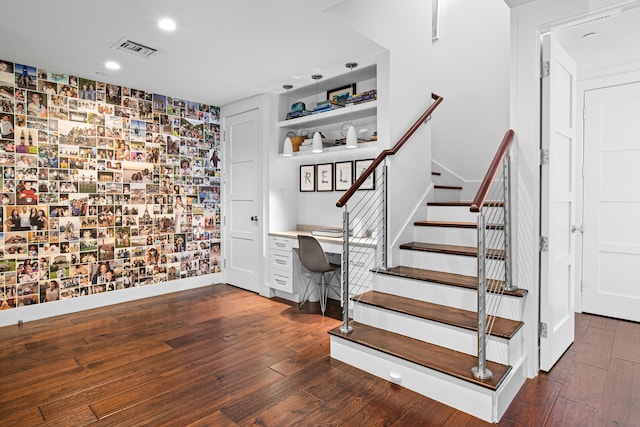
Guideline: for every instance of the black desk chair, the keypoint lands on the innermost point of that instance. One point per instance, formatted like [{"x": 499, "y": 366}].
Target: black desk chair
[{"x": 314, "y": 259}]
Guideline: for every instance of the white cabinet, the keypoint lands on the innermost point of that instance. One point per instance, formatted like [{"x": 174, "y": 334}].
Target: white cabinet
[
  {"x": 281, "y": 264},
  {"x": 330, "y": 123},
  {"x": 360, "y": 276}
]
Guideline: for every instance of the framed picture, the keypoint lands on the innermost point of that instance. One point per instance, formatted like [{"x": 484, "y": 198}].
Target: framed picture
[
  {"x": 341, "y": 94},
  {"x": 307, "y": 178},
  {"x": 324, "y": 177},
  {"x": 344, "y": 175},
  {"x": 360, "y": 167}
]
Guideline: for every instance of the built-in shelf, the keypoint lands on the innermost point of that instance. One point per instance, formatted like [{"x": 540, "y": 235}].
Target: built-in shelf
[
  {"x": 363, "y": 148},
  {"x": 350, "y": 112}
]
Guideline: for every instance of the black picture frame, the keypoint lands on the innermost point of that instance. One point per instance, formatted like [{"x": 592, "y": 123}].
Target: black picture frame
[
  {"x": 307, "y": 178},
  {"x": 343, "y": 175},
  {"x": 324, "y": 177},
  {"x": 359, "y": 168},
  {"x": 342, "y": 93}
]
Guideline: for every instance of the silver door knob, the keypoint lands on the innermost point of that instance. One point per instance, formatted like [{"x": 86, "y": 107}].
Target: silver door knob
[{"x": 577, "y": 229}]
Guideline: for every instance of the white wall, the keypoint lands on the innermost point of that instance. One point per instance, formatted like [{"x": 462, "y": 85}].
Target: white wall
[{"x": 471, "y": 72}]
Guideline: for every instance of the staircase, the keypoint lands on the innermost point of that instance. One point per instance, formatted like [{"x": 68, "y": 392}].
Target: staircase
[{"x": 417, "y": 326}]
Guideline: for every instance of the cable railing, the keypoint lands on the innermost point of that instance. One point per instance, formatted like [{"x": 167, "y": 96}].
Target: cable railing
[
  {"x": 493, "y": 205},
  {"x": 364, "y": 221}
]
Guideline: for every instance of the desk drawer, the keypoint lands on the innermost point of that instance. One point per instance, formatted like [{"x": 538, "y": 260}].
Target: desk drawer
[
  {"x": 282, "y": 260},
  {"x": 282, "y": 280},
  {"x": 281, "y": 243}
]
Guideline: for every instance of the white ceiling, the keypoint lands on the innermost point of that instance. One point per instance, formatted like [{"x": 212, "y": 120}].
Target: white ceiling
[
  {"x": 615, "y": 44},
  {"x": 222, "y": 50}
]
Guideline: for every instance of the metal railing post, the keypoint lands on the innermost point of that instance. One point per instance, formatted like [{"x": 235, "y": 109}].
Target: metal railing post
[
  {"x": 508, "y": 272},
  {"x": 481, "y": 370},
  {"x": 345, "y": 328},
  {"x": 385, "y": 201}
]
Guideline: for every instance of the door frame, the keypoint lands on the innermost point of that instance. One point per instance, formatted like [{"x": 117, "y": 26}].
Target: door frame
[
  {"x": 259, "y": 103},
  {"x": 529, "y": 20}
]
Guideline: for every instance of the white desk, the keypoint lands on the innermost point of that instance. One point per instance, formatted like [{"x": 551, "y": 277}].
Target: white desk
[{"x": 286, "y": 273}]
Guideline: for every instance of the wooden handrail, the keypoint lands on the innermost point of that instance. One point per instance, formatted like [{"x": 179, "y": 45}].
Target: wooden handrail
[
  {"x": 389, "y": 152},
  {"x": 487, "y": 182}
]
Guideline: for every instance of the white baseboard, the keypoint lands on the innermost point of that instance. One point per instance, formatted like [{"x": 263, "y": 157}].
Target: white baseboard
[{"x": 56, "y": 308}]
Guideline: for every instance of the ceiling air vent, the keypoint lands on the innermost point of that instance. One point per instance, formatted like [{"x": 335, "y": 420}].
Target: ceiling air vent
[{"x": 134, "y": 48}]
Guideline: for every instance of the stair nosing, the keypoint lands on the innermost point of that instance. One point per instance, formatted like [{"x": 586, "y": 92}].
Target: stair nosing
[
  {"x": 454, "y": 279},
  {"x": 437, "y": 308},
  {"x": 447, "y": 187},
  {"x": 420, "y": 358},
  {"x": 455, "y": 224}
]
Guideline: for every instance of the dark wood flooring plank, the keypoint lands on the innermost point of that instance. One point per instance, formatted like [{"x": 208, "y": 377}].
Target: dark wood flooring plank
[
  {"x": 626, "y": 344},
  {"x": 534, "y": 402},
  {"x": 584, "y": 385},
  {"x": 217, "y": 419},
  {"x": 595, "y": 347},
  {"x": 56, "y": 409},
  {"x": 569, "y": 413},
  {"x": 620, "y": 403},
  {"x": 425, "y": 413},
  {"x": 292, "y": 411}
]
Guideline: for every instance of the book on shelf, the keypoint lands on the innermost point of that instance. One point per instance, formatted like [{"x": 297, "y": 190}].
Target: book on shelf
[
  {"x": 359, "y": 98},
  {"x": 296, "y": 114}
]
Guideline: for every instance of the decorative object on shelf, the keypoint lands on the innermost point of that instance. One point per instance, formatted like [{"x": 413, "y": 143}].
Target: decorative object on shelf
[
  {"x": 340, "y": 95},
  {"x": 297, "y": 140},
  {"x": 324, "y": 177},
  {"x": 287, "y": 147},
  {"x": 360, "y": 167},
  {"x": 352, "y": 136},
  {"x": 298, "y": 109},
  {"x": 317, "y": 137},
  {"x": 344, "y": 175},
  {"x": 307, "y": 178}
]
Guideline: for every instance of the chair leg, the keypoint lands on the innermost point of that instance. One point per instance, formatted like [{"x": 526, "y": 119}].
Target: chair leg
[
  {"x": 323, "y": 295},
  {"x": 306, "y": 290}
]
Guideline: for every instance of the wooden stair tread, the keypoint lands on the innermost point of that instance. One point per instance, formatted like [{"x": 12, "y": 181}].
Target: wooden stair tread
[
  {"x": 464, "y": 203},
  {"x": 456, "y": 224},
  {"x": 444, "y": 278},
  {"x": 441, "y": 359},
  {"x": 504, "y": 328},
  {"x": 447, "y": 187},
  {"x": 451, "y": 249}
]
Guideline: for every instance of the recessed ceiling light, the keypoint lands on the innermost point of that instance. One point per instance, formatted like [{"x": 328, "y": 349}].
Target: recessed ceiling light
[
  {"x": 112, "y": 65},
  {"x": 167, "y": 24},
  {"x": 591, "y": 34}
]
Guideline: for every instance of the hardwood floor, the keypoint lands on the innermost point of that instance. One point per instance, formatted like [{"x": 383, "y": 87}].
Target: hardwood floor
[{"x": 221, "y": 356}]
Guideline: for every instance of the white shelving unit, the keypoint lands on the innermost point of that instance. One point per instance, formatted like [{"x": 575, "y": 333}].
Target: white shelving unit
[{"x": 329, "y": 123}]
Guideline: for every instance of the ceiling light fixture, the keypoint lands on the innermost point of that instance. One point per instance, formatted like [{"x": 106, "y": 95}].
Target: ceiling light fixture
[
  {"x": 112, "y": 65},
  {"x": 167, "y": 24}
]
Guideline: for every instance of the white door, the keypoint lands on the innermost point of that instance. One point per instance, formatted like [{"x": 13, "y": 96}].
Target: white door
[
  {"x": 611, "y": 268},
  {"x": 557, "y": 264},
  {"x": 244, "y": 201}
]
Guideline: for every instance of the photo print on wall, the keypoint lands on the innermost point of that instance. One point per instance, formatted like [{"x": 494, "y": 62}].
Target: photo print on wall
[{"x": 103, "y": 187}]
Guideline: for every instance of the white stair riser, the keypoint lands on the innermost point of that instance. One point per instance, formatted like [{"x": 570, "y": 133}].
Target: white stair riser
[
  {"x": 462, "y": 395},
  {"x": 462, "y": 214},
  {"x": 499, "y": 350},
  {"x": 446, "y": 195},
  {"x": 449, "y": 263},
  {"x": 457, "y": 236},
  {"x": 510, "y": 307}
]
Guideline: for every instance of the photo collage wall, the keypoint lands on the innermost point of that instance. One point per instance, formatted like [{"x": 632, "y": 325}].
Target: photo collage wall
[{"x": 103, "y": 187}]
